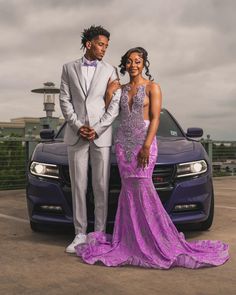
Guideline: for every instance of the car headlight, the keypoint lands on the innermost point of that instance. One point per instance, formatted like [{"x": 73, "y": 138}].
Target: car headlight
[
  {"x": 45, "y": 170},
  {"x": 191, "y": 168}
]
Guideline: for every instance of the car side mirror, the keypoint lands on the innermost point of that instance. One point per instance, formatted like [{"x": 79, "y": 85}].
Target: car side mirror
[
  {"x": 47, "y": 134},
  {"x": 194, "y": 132}
]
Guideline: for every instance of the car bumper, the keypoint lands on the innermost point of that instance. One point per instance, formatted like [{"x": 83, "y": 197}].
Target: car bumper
[
  {"x": 41, "y": 192},
  {"x": 46, "y": 192},
  {"x": 197, "y": 191}
]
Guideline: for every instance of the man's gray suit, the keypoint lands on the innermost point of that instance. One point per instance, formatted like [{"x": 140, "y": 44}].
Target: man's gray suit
[{"x": 88, "y": 108}]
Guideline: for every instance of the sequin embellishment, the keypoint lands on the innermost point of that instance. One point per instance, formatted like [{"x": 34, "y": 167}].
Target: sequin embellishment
[{"x": 132, "y": 130}]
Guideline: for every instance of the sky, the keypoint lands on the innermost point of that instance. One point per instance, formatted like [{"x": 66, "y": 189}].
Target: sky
[{"x": 191, "y": 47}]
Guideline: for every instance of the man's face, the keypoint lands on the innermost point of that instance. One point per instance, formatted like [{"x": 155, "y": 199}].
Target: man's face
[{"x": 96, "y": 48}]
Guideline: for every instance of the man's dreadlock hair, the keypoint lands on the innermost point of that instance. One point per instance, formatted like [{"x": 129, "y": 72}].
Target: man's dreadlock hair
[{"x": 91, "y": 33}]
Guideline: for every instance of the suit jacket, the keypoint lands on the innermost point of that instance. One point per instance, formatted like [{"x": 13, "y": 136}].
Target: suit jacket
[{"x": 75, "y": 102}]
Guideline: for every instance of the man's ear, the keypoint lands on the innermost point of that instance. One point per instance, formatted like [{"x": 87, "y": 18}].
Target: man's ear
[{"x": 88, "y": 44}]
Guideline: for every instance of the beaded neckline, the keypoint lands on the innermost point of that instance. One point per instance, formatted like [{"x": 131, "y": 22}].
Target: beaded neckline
[
  {"x": 132, "y": 129},
  {"x": 127, "y": 87}
]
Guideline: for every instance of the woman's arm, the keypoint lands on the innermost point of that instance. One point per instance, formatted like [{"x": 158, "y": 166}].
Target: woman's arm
[{"x": 154, "y": 114}]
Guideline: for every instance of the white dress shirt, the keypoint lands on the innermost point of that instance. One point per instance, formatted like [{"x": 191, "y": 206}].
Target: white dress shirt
[{"x": 88, "y": 73}]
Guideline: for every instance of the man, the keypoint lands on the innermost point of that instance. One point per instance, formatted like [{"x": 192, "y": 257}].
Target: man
[{"x": 88, "y": 131}]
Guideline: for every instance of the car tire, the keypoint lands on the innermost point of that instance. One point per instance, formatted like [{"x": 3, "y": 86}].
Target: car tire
[{"x": 34, "y": 226}]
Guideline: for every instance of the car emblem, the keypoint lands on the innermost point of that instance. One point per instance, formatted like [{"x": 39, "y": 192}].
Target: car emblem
[{"x": 158, "y": 178}]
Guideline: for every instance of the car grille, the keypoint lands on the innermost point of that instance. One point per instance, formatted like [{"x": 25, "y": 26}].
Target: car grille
[
  {"x": 115, "y": 181},
  {"x": 65, "y": 175},
  {"x": 163, "y": 179},
  {"x": 163, "y": 176}
]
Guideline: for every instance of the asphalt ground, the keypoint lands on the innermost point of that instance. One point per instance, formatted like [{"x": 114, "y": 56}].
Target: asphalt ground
[{"x": 35, "y": 263}]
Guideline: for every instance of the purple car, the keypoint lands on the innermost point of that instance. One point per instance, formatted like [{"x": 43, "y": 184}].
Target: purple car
[{"x": 182, "y": 178}]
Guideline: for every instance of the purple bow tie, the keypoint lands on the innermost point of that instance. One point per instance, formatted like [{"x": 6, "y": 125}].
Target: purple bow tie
[{"x": 92, "y": 63}]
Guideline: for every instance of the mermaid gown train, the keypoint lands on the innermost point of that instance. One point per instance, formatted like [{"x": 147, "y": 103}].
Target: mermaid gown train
[{"x": 144, "y": 234}]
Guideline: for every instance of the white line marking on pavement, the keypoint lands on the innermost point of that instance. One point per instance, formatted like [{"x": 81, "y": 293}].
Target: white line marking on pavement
[
  {"x": 14, "y": 218},
  {"x": 226, "y": 207}
]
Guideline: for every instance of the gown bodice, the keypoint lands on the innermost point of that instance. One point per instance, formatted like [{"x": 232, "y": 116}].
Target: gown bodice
[{"x": 133, "y": 128}]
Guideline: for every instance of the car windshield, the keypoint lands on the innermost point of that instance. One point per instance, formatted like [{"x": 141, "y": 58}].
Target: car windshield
[{"x": 167, "y": 127}]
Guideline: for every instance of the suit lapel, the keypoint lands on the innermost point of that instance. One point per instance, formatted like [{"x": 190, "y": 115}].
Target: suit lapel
[
  {"x": 78, "y": 69},
  {"x": 95, "y": 77}
]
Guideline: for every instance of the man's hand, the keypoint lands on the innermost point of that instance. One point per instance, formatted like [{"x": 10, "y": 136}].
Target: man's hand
[{"x": 87, "y": 132}]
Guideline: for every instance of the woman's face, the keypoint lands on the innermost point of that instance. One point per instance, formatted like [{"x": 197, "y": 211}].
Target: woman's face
[{"x": 134, "y": 64}]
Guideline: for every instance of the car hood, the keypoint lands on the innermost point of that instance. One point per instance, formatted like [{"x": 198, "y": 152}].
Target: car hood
[
  {"x": 166, "y": 146},
  {"x": 179, "y": 150},
  {"x": 55, "y": 148},
  {"x": 51, "y": 152},
  {"x": 170, "y": 151},
  {"x": 173, "y": 146}
]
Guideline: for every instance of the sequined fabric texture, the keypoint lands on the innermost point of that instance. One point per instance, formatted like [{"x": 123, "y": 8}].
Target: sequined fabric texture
[
  {"x": 144, "y": 234},
  {"x": 132, "y": 130}
]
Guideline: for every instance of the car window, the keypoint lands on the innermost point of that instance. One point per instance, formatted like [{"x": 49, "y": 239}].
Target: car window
[
  {"x": 61, "y": 132},
  {"x": 167, "y": 127}
]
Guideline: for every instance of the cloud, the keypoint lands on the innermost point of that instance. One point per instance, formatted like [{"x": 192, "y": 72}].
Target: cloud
[
  {"x": 191, "y": 46},
  {"x": 217, "y": 14}
]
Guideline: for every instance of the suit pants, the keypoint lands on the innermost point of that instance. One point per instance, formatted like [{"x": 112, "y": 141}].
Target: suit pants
[{"x": 79, "y": 156}]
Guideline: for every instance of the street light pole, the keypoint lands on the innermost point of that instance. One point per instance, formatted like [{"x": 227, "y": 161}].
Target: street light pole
[{"x": 49, "y": 90}]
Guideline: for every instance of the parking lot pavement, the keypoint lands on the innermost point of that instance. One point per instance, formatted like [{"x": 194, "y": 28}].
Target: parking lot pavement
[{"x": 35, "y": 263}]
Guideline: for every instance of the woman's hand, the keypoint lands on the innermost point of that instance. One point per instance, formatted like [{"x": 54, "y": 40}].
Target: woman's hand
[
  {"x": 113, "y": 86},
  {"x": 111, "y": 89},
  {"x": 143, "y": 157}
]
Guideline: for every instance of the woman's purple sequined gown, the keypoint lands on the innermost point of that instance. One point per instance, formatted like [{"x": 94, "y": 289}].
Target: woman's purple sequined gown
[{"x": 144, "y": 234}]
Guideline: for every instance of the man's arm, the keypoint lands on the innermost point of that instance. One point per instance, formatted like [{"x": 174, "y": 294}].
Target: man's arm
[
  {"x": 66, "y": 104},
  {"x": 112, "y": 111}
]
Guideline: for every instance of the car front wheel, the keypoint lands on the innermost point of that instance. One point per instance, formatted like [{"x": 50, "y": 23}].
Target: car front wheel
[{"x": 34, "y": 226}]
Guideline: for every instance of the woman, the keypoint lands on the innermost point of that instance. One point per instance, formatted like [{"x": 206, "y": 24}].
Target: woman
[{"x": 144, "y": 234}]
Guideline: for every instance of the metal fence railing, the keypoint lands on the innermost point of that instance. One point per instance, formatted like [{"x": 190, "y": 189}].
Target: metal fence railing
[
  {"x": 222, "y": 155},
  {"x": 15, "y": 153}
]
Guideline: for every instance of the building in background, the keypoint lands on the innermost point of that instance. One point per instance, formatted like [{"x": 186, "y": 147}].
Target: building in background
[
  {"x": 27, "y": 126},
  {"x": 30, "y": 127}
]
